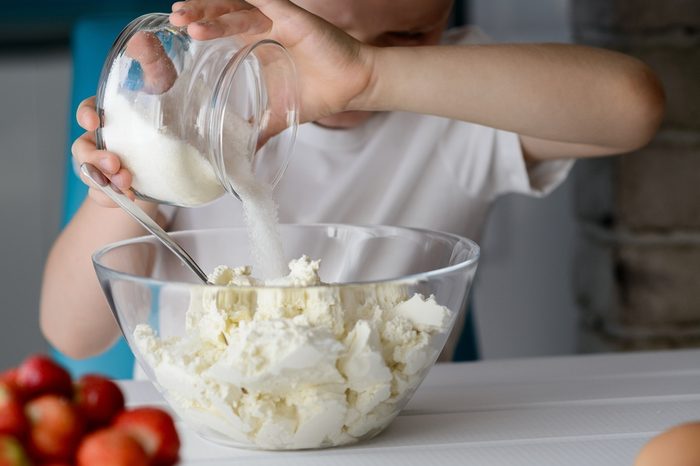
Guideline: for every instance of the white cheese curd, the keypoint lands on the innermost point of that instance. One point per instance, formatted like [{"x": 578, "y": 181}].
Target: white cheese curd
[{"x": 291, "y": 363}]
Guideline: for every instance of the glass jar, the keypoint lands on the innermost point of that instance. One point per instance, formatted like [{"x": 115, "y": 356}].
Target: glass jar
[{"x": 188, "y": 117}]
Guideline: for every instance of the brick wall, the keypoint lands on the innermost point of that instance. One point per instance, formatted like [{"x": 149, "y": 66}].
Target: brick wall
[{"x": 638, "y": 265}]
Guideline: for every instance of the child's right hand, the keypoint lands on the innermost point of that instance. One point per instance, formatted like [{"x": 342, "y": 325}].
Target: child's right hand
[{"x": 85, "y": 150}]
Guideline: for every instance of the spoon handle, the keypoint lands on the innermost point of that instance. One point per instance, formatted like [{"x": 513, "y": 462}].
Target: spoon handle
[{"x": 115, "y": 194}]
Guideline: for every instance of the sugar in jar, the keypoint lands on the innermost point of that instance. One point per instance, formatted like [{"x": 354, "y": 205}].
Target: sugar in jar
[{"x": 186, "y": 117}]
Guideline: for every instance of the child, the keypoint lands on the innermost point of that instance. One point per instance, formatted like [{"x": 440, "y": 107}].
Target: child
[{"x": 421, "y": 136}]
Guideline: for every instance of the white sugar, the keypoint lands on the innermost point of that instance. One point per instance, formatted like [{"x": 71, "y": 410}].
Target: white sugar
[
  {"x": 260, "y": 213},
  {"x": 163, "y": 167}
]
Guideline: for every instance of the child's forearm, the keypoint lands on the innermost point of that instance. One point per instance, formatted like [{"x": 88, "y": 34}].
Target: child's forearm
[
  {"x": 570, "y": 94},
  {"x": 74, "y": 314}
]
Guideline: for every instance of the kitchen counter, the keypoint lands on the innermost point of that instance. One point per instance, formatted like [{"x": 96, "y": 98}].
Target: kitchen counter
[{"x": 575, "y": 410}]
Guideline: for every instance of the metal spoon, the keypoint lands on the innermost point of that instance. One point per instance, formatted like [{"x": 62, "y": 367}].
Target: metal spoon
[{"x": 114, "y": 193}]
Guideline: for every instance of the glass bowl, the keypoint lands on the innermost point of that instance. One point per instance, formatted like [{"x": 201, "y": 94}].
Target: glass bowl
[{"x": 281, "y": 367}]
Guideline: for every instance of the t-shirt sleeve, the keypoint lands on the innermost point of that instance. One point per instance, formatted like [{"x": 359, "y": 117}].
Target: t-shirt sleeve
[
  {"x": 488, "y": 162},
  {"x": 509, "y": 173}
]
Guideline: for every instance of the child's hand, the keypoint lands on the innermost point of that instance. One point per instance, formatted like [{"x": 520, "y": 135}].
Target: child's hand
[
  {"x": 85, "y": 150},
  {"x": 159, "y": 74},
  {"x": 334, "y": 69}
]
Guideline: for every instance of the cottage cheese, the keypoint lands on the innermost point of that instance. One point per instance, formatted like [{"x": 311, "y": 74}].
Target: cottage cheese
[{"x": 295, "y": 363}]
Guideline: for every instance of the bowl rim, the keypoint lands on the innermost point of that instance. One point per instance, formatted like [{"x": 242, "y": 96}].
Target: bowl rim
[{"x": 474, "y": 254}]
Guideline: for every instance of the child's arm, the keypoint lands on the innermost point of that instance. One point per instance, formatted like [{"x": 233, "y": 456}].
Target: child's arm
[
  {"x": 563, "y": 100},
  {"x": 74, "y": 315}
]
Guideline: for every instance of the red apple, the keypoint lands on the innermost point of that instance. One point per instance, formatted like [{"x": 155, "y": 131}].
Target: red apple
[
  {"x": 12, "y": 453},
  {"x": 56, "y": 428},
  {"x": 13, "y": 421},
  {"x": 98, "y": 399},
  {"x": 39, "y": 375},
  {"x": 111, "y": 447},
  {"x": 155, "y": 431}
]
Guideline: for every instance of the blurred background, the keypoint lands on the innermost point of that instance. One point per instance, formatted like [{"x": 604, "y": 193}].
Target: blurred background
[{"x": 608, "y": 262}]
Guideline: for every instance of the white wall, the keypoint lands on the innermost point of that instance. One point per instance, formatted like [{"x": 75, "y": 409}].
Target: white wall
[
  {"x": 33, "y": 130},
  {"x": 524, "y": 300}
]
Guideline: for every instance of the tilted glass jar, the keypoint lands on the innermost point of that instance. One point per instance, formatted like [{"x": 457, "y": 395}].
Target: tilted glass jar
[{"x": 186, "y": 116}]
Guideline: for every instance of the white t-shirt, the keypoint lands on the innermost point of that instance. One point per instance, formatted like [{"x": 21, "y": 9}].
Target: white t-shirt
[{"x": 399, "y": 169}]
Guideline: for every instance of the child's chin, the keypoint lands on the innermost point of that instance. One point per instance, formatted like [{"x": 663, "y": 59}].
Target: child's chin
[{"x": 345, "y": 120}]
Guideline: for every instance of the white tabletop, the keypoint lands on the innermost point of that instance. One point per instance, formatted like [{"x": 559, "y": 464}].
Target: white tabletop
[{"x": 580, "y": 410}]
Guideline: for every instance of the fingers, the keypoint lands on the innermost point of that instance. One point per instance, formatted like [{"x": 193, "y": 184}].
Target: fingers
[
  {"x": 87, "y": 115},
  {"x": 249, "y": 22},
  {"x": 210, "y": 19},
  {"x": 84, "y": 150},
  {"x": 159, "y": 73},
  {"x": 275, "y": 8},
  {"x": 178, "y": 5},
  {"x": 185, "y": 13},
  {"x": 101, "y": 198},
  {"x": 122, "y": 180}
]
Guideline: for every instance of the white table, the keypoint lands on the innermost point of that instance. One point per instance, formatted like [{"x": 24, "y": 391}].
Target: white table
[{"x": 566, "y": 411}]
